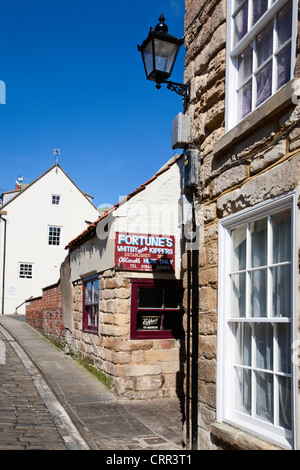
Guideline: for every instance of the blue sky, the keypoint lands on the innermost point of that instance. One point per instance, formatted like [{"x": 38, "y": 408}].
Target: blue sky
[{"x": 75, "y": 80}]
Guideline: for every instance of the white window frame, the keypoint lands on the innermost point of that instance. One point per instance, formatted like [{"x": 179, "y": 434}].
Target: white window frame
[
  {"x": 22, "y": 263},
  {"x": 231, "y": 105},
  {"x": 60, "y": 235},
  {"x": 226, "y": 340}
]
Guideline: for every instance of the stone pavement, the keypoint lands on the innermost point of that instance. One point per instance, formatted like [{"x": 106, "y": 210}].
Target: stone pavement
[
  {"x": 25, "y": 422},
  {"x": 44, "y": 392}
]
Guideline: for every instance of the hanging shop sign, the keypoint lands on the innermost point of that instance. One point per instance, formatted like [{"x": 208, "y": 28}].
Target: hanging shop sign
[{"x": 137, "y": 252}]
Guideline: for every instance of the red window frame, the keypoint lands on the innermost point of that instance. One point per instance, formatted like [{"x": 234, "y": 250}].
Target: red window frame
[
  {"x": 136, "y": 310},
  {"x": 90, "y": 305}
]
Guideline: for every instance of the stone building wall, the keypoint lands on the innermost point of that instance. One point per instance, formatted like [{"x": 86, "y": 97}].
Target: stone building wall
[
  {"x": 138, "y": 369},
  {"x": 254, "y": 162}
]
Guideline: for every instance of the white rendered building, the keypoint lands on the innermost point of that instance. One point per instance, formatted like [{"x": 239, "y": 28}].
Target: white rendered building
[{"x": 37, "y": 221}]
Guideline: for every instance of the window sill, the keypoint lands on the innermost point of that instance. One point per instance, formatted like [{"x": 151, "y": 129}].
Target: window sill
[
  {"x": 286, "y": 96},
  {"x": 236, "y": 438},
  {"x": 152, "y": 335},
  {"x": 90, "y": 331}
]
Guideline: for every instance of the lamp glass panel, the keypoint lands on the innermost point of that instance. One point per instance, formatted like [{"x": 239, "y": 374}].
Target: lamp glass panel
[
  {"x": 165, "y": 54},
  {"x": 148, "y": 58}
]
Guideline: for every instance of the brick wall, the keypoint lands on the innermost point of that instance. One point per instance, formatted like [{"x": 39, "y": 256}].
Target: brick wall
[{"x": 45, "y": 313}]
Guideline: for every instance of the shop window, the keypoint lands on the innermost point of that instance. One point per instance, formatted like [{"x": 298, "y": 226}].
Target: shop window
[
  {"x": 156, "y": 309},
  {"x": 90, "y": 305}
]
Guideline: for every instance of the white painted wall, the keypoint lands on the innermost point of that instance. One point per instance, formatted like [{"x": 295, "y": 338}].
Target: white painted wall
[
  {"x": 28, "y": 217},
  {"x": 154, "y": 210}
]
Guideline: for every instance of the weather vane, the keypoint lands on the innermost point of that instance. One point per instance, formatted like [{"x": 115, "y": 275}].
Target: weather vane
[{"x": 56, "y": 152}]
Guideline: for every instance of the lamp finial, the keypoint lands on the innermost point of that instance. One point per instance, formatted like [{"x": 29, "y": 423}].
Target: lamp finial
[{"x": 161, "y": 27}]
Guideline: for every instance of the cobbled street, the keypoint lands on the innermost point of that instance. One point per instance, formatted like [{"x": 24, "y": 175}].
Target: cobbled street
[{"x": 25, "y": 422}]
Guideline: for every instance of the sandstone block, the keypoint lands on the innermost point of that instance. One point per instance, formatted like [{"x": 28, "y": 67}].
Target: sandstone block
[
  {"x": 212, "y": 253},
  {"x": 228, "y": 179},
  {"x": 158, "y": 355},
  {"x": 268, "y": 157},
  {"x": 148, "y": 383},
  {"x": 208, "y": 323},
  {"x": 122, "y": 293},
  {"x": 136, "y": 370},
  {"x": 122, "y": 282},
  {"x": 208, "y": 276},
  {"x": 138, "y": 357},
  {"x": 278, "y": 180},
  {"x": 217, "y": 42},
  {"x": 121, "y": 319},
  {"x": 208, "y": 347},
  {"x": 171, "y": 367},
  {"x": 111, "y": 306}
]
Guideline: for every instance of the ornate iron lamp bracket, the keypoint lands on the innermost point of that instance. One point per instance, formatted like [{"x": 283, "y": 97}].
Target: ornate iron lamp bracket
[{"x": 181, "y": 89}]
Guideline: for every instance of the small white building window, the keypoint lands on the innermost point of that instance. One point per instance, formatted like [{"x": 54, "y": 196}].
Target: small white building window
[
  {"x": 257, "y": 318},
  {"x": 261, "y": 52},
  {"x": 25, "y": 270},
  {"x": 55, "y": 200},
  {"x": 54, "y": 235}
]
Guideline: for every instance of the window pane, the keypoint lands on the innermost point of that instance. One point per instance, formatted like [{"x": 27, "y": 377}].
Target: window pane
[
  {"x": 264, "y": 83},
  {"x": 285, "y": 408},
  {"x": 173, "y": 298},
  {"x": 284, "y": 66},
  {"x": 264, "y": 396},
  {"x": 284, "y": 24},
  {"x": 264, "y": 44},
  {"x": 264, "y": 346},
  {"x": 281, "y": 291},
  {"x": 258, "y": 286},
  {"x": 92, "y": 315},
  {"x": 284, "y": 347},
  {"x": 95, "y": 291},
  {"x": 243, "y": 336},
  {"x": 238, "y": 295},
  {"x": 258, "y": 232},
  {"x": 150, "y": 297},
  {"x": 259, "y": 8},
  {"x": 281, "y": 224},
  {"x": 245, "y": 64},
  {"x": 88, "y": 293},
  {"x": 238, "y": 258},
  {"x": 148, "y": 322},
  {"x": 245, "y": 100},
  {"x": 243, "y": 391},
  {"x": 241, "y": 23},
  {"x": 237, "y": 3},
  {"x": 173, "y": 321}
]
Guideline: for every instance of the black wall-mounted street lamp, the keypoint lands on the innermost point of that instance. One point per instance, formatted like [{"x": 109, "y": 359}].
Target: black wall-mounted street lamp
[{"x": 159, "y": 52}]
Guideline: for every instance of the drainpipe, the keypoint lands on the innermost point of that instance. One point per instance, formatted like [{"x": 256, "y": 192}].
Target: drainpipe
[
  {"x": 191, "y": 178},
  {"x": 188, "y": 347},
  {"x": 4, "y": 256},
  {"x": 195, "y": 335}
]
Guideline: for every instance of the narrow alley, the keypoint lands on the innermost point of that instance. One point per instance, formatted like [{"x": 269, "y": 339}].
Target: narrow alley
[{"x": 50, "y": 402}]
